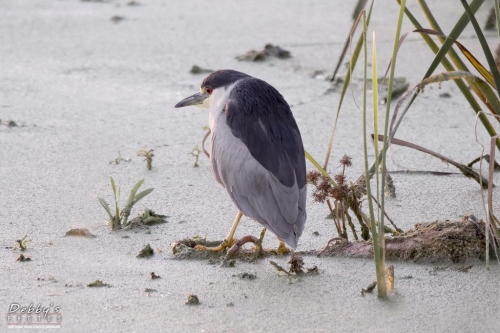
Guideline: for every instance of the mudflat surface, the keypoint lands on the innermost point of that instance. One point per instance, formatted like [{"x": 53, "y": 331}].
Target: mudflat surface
[{"x": 84, "y": 88}]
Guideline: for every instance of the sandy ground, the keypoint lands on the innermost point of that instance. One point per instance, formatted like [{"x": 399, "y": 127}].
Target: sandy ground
[{"x": 83, "y": 88}]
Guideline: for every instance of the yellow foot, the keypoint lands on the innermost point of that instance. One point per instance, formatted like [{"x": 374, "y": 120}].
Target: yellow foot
[
  {"x": 222, "y": 247},
  {"x": 282, "y": 249}
]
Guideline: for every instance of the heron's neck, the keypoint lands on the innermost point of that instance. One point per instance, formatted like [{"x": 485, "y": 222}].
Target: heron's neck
[{"x": 218, "y": 101}]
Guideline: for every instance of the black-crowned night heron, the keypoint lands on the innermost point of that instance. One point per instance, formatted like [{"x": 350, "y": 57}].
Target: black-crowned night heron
[{"x": 256, "y": 152}]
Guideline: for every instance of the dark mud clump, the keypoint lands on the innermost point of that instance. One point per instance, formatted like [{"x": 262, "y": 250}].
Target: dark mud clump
[
  {"x": 438, "y": 241},
  {"x": 146, "y": 219},
  {"x": 81, "y": 232},
  {"x": 146, "y": 252},
  {"x": 245, "y": 275},
  {"x": 296, "y": 264},
  {"x": 22, "y": 258},
  {"x": 268, "y": 51},
  {"x": 192, "y": 300},
  {"x": 98, "y": 284}
]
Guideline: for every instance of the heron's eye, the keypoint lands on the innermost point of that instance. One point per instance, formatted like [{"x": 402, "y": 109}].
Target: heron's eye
[{"x": 209, "y": 90}]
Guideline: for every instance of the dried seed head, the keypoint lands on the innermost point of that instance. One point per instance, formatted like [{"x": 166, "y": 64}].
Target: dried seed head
[
  {"x": 346, "y": 161},
  {"x": 324, "y": 184},
  {"x": 296, "y": 263},
  {"x": 339, "y": 193},
  {"x": 313, "y": 176},
  {"x": 320, "y": 196},
  {"x": 339, "y": 179}
]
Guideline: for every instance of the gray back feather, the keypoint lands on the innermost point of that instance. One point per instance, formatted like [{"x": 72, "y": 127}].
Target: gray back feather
[{"x": 260, "y": 117}]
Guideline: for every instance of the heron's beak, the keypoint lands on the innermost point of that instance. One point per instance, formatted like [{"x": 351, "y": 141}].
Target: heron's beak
[{"x": 196, "y": 99}]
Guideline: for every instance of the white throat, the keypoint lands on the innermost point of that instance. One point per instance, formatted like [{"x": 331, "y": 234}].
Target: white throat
[{"x": 217, "y": 102}]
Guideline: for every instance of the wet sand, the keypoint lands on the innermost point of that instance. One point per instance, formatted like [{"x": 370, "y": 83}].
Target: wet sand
[{"x": 84, "y": 88}]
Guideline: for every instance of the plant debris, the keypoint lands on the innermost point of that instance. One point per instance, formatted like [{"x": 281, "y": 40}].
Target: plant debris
[
  {"x": 154, "y": 276},
  {"x": 146, "y": 252},
  {"x": 368, "y": 289},
  {"x": 464, "y": 269},
  {"x": 182, "y": 251},
  {"x": 296, "y": 266},
  {"x": 227, "y": 262},
  {"x": 83, "y": 232},
  {"x": 120, "y": 159},
  {"x": 248, "y": 276},
  {"x": 192, "y": 300},
  {"x": 491, "y": 20},
  {"x": 341, "y": 197},
  {"x": 148, "y": 157},
  {"x": 487, "y": 158},
  {"x": 196, "y": 154},
  {"x": 117, "y": 19},
  {"x": 146, "y": 219},
  {"x": 22, "y": 258},
  {"x": 268, "y": 51},
  {"x": 278, "y": 267},
  {"x": 199, "y": 70},
  {"x": 440, "y": 268},
  {"x": 98, "y": 284},
  {"x": 438, "y": 241},
  {"x": 150, "y": 290},
  {"x": 22, "y": 243},
  {"x": 400, "y": 86}
]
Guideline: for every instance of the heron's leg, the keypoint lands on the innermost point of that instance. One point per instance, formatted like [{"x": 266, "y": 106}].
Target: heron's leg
[
  {"x": 226, "y": 243},
  {"x": 230, "y": 237},
  {"x": 258, "y": 246}
]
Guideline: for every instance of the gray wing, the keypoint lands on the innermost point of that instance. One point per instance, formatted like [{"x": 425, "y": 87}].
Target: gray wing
[
  {"x": 260, "y": 117},
  {"x": 259, "y": 158}
]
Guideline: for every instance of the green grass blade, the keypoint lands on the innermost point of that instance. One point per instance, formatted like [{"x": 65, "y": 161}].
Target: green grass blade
[
  {"x": 440, "y": 55},
  {"x": 472, "y": 59},
  {"x": 490, "y": 98},
  {"x": 375, "y": 117},
  {"x": 347, "y": 81},
  {"x": 134, "y": 191},
  {"x": 358, "y": 12},
  {"x": 449, "y": 67},
  {"x": 105, "y": 205},
  {"x": 116, "y": 222},
  {"x": 320, "y": 168},
  {"x": 484, "y": 45},
  {"x": 377, "y": 251},
  {"x": 113, "y": 186},
  {"x": 382, "y": 289},
  {"x": 365, "y": 136},
  {"x": 454, "y": 34},
  {"x": 497, "y": 14},
  {"x": 477, "y": 64},
  {"x": 142, "y": 195}
]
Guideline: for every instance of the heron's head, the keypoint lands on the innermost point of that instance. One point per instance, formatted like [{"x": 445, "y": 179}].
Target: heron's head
[{"x": 212, "y": 88}]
